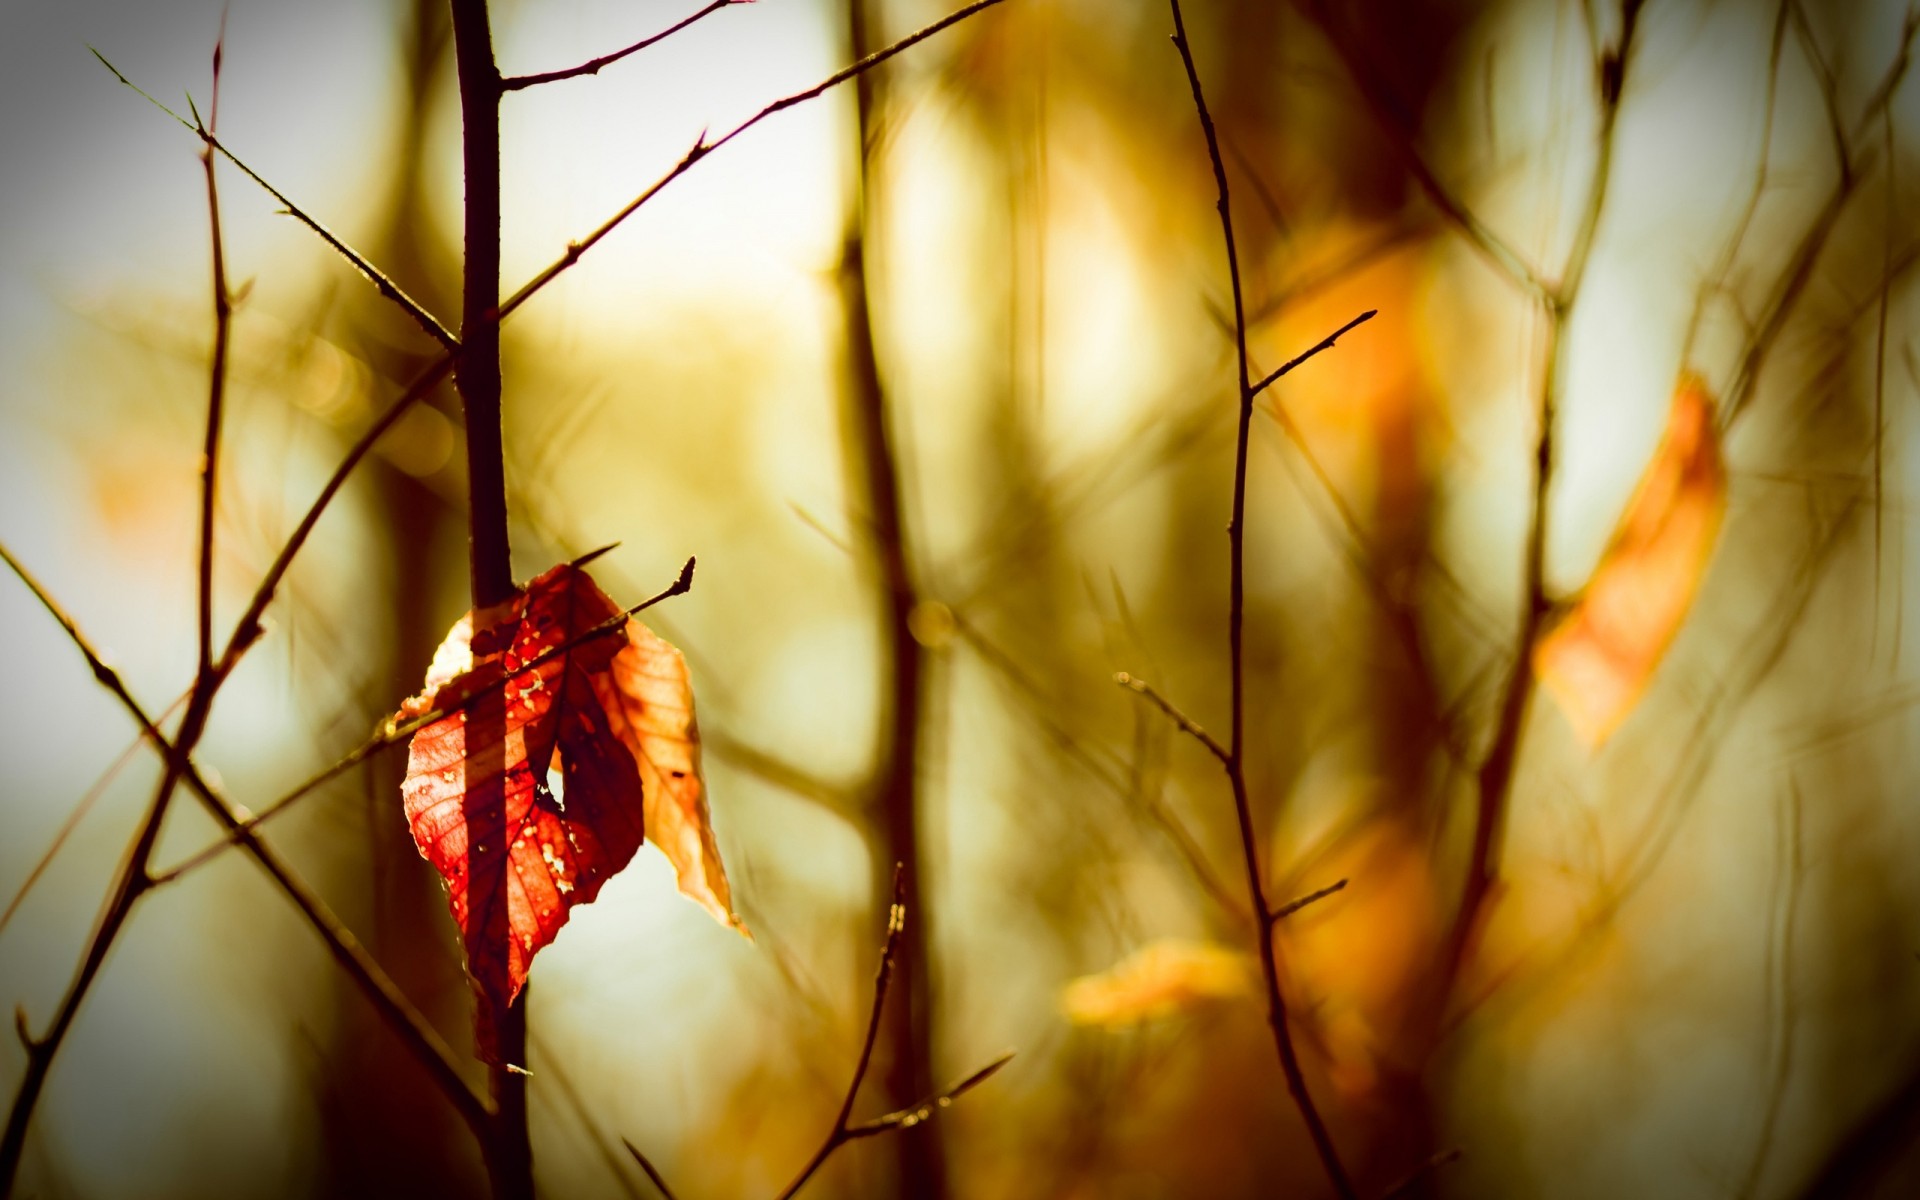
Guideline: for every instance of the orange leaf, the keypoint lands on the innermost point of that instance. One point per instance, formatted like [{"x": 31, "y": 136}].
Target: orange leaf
[
  {"x": 649, "y": 703},
  {"x": 1598, "y": 657},
  {"x": 1158, "y": 980},
  {"x": 539, "y": 689}
]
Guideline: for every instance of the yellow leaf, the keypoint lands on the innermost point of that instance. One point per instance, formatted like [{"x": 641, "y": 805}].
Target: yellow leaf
[
  {"x": 1598, "y": 657},
  {"x": 1160, "y": 979},
  {"x": 649, "y": 701}
]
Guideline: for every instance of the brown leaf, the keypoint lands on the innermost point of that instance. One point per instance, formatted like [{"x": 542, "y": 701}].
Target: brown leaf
[{"x": 1598, "y": 657}]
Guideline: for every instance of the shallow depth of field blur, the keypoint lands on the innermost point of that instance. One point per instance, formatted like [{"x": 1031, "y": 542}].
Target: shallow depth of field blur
[{"x": 1702, "y": 972}]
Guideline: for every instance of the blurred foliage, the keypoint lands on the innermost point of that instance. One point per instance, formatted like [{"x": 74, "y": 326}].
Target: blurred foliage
[{"x": 1697, "y": 976}]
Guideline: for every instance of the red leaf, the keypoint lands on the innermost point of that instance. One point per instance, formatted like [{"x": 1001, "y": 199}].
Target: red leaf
[{"x": 529, "y": 694}]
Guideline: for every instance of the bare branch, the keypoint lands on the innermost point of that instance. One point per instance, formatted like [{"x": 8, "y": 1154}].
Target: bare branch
[
  {"x": 1181, "y": 720},
  {"x": 416, "y": 311},
  {"x": 1325, "y": 343},
  {"x": 1234, "y": 760},
  {"x": 414, "y": 1030},
  {"x": 702, "y": 147},
  {"x": 653, "y": 1173},
  {"x": 1295, "y": 905},
  {"x": 514, "y": 83},
  {"x": 843, "y": 1131}
]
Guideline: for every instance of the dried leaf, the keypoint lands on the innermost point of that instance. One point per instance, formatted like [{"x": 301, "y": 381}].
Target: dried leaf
[
  {"x": 649, "y": 703},
  {"x": 531, "y": 702},
  {"x": 1160, "y": 979},
  {"x": 1597, "y": 658}
]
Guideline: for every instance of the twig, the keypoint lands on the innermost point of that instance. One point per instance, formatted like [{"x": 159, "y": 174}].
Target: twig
[
  {"x": 1325, "y": 343},
  {"x": 1181, "y": 720},
  {"x": 1798, "y": 273},
  {"x": 413, "y": 1029},
  {"x": 217, "y": 386},
  {"x": 79, "y": 812},
  {"x": 1299, "y": 902},
  {"x": 1234, "y": 761},
  {"x": 843, "y": 1131},
  {"x": 702, "y": 147},
  {"x": 514, "y": 83},
  {"x": 1187, "y": 846},
  {"x": 653, "y": 1173},
  {"x": 380, "y": 280},
  {"x": 131, "y": 879}
]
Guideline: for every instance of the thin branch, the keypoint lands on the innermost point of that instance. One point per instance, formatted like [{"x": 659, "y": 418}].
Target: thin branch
[
  {"x": 395, "y": 731},
  {"x": 1325, "y": 343},
  {"x": 1798, "y": 272},
  {"x": 249, "y": 628},
  {"x": 217, "y": 386},
  {"x": 79, "y": 812},
  {"x": 408, "y": 1024},
  {"x": 1041, "y": 706},
  {"x": 928, "y": 1108},
  {"x": 131, "y": 879},
  {"x": 416, "y": 311},
  {"x": 1829, "y": 88},
  {"x": 1181, "y": 720},
  {"x": 1235, "y": 762},
  {"x": 514, "y": 83},
  {"x": 702, "y": 147},
  {"x": 1295, "y": 905},
  {"x": 653, "y": 1173},
  {"x": 843, "y": 1131}
]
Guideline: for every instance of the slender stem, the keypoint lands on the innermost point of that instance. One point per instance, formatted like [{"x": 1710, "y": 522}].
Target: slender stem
[
  {"x": 1299, "y": 902},
  {"x": 427, "y": 322},
  {"x": 1181, "y": 720},
  {"x": 514, "y": 83},
  {"x": 910, "y": 1117},
  {"x": 131, "y": 881},
  {"x": 1235, "y": 761},
  {"x": 704, "y": 147},
  {"x": 216, "y": 388},
  {"x": 413, "y": 1029}
]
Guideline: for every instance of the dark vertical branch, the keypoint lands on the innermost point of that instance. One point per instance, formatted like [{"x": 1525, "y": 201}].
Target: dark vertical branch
[
  {"x": 509, "y": 1154},
  {"x": 1236, "y": 620},
  {"x": 878, "y": 457}
]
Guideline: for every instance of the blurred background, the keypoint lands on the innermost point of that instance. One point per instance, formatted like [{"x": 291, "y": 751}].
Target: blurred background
[{"x": 935, "y": 377}]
